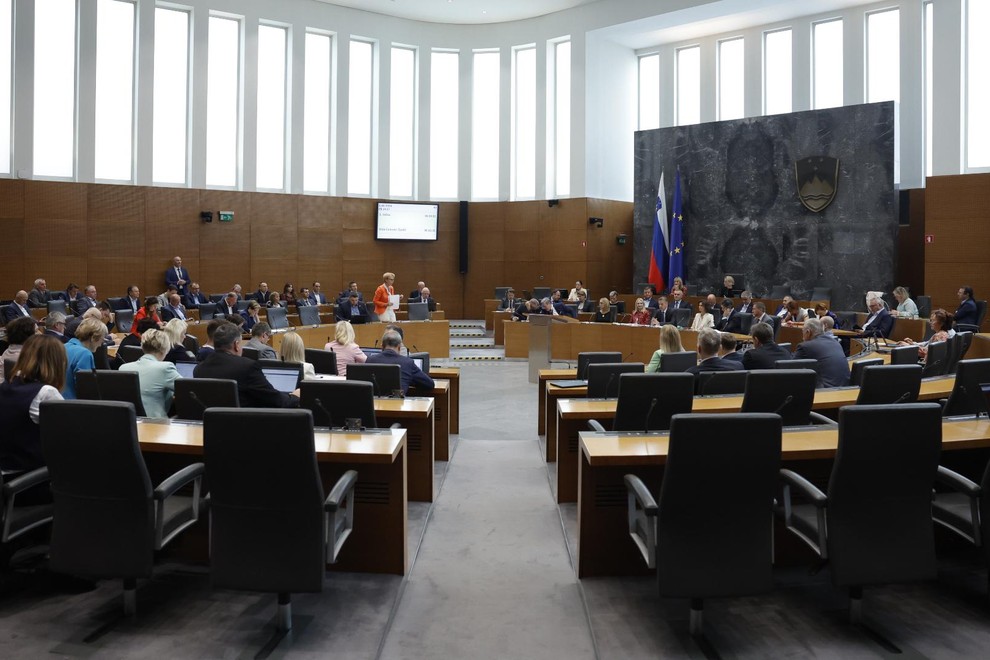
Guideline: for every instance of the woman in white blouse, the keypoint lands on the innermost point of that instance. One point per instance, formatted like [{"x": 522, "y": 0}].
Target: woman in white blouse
[
  {"x": 293, "y": 350},
  {"x": 703, "y": 319}
]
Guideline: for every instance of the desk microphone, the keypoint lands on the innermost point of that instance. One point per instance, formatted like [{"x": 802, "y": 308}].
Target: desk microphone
[
  {"x": 193, "y": 397},
  {"x": 374, "y": 380},
  {"x": 415, "y": 349},
  {"x": 787, "y": 401},
  {"x": 649, "y": 413},
  {"x": 96, "y": 385},
  {"x": 902, "y": 398},
  {"x": 608, "y": 385},
  {"x": 628, "y": 355},
  {"x": 319, "y": 404}
]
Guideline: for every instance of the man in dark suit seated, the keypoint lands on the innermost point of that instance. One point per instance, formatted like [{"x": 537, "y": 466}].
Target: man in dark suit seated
[
  {"x": 352, "y": 287},
  {"x": 760, "y": 316},
  {"x": 302, "y": 300},
  {"x": 531, "y": 306},
  {"x": 88, "y": 301},
  {"x": 765, "y": 351},
  {"x": 228, "y": 305},
  {"x": 730, "y": 321},
  {"x": 317, "y": 295},
  {"x": 560, "y": 307},
  {"x": 833, "y": 368},
  {"x": 391, "y": 354},
  {"x": 618, "y": 305},
  {"x": 678, "y": 301},
  {"x": 746, "y": 304},
  {"x": 709, "y": 342},
  {"x": 352, "y": 310},
  {"x": 174, "y": 309},
  {"x": 662, "y": 315},
  {"x": 728, "y": 350},
  {"x": 417, "y": 292},
  {"x": 648, "y": 299},
  {"x": 17, "y": 309},
  {"x": 585, "y": 305},
  {"x": 424, "y": 296},
  {"x": 226, "y": 362},
  {"x": 509, "y": 303},
  {"x": 262, "y": 295},
  {"x": 880, "y": 322},
  {"x": 40, "y": 295},
  {"x": 55, "y": 326},
  {"x": 195, "y": 297}
]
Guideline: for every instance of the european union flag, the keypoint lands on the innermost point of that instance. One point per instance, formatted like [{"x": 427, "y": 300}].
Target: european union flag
[{"x": 677, "y": 233}]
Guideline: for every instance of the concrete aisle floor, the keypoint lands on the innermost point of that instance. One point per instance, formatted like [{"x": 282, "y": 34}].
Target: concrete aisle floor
[{"x": 493, "y": 578}]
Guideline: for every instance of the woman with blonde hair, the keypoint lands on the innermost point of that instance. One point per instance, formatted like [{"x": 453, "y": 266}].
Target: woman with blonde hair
[
  {"x": 345, "y": 348},
  {"x": 175, "y": 330},
  {"x": 156, "y": 375},
  {"x": 640, "y": 315},
  {"x": 294, "y": 351},
  {"x": 80, "y": 349},
  {"x": 382, "y": 306},
  {"x": 670, "y": 342}
]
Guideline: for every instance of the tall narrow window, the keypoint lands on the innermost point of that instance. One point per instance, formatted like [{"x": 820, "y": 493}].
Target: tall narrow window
[
  {"x": 402, "y": 123},
  {"x": 883, "y": 56},
  {"x": 827, "y": 64},
  {"x": 6, "y": 36},
  {"x": 777, "y": 97},
  {"x": 524, "y": 124},
  {"x": 689, "y": 85},
  {"x": 271, "y": 107},
  {"x": 171, "y": 114},
  {"x": 444, "y": 78},
  {"x": 316, "y": 114},
  {"x": 929, "y": 86},
  {"x": 977, "y": 91},
  {"x": 223, "y": 102},
  {"x": 114, "y": 89},
  {"x": 54, "y": 87},
  {"x": 485, "y": 125},
  {"x": 562, "y": 118},
  {"x": 359, "y": 104},
  {"x": 649, "y": 92},
  {"x": 731, "y": 77}
]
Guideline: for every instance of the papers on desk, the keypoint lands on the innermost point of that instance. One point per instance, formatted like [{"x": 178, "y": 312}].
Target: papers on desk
[{"x": 568, "y": 383}]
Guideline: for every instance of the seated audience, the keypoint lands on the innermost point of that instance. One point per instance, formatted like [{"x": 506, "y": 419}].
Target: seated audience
[
  {"x": 55, "y": 326},
  {"x": 641, "y": 315},
  {"x": 604, "y": 312},
  {"x": 352, "y": 287},
  {"x": 18, "y": 332},
  {"x": 195, "y": 297},
  {"x": 508, "y": 303},
  {"x": 352, "y": 310},
  {"x": 940, "y": 322},
  {"x": 294, "y": 352},
  {"x": 906, "y": 307},
  {"x": 132, "y": 300},
  {"x": 828, "y": 325},
  {"x": 316, "y": 296},
  {"x": 584, "y": 305},
  {"x": 760, "y": 316},
  {"x": 18, "y": 308},
  {"x": 703, "y": 319},
  {"x": 730, "y": 321},
  {"x": 237, "y": 291},
  {"x": 709, "y": 343},
  {"x": 226, "y": 361},
  {"x": 782, "y": 310},
  {"x": 133, "y": 339},
  {"x": 531, "y": 306},
  {"x": 228, "y": 305},
  {"x": 166, "y": 294},
  {"x": 794, "y": 313},
  {"x": 345, "y": 348},
  {"x": 39, "y": 295},
  {"x": 425, "y": 296},
  {"x": 662, "y": 315},
  {"x": 822, "y": 311},
  {"x": 275, "y": 300},
  {"x": 578, "y": 288},
  {"x": 765, "y": 351},
  {"x": 879, "y": 323},
  {"x": 678, "y": 285},
  {"x": 207, "y": 349},
  {"x": 833, "y": 368},
  {"x": 648, "y": 299},
  {"x": 302, "y": 300},
  {"x": 417, "y": 292},
  {"x": 966, "y": 312},
  {"x": 728, "y": 287},
  {"x": 72, "y": 294},
  {"x": 252, "y": 315},
  {"x": 728, "y": 349},
  {"x": 391, "y": 354},
  {"x": 261, "y": 334},
  {"x": 288, "y": 294},
  {"x": 262, "y": 295},
  {"x": 150, "y": 311},
  {"x": 38, "y": 376},
  {"x": 746, "y": 304},
  {"x": 174, "y": 309},
  {"x": 156, "y": 375},
  {"x": 678, "y": 301},
  {"x": 613, "y": 300},
  {"x": 80, "y": 349},
  {"x": 670, "y": 342},
  {"x": 87, "y": 301},
  {"x": 175, "y": 330}
]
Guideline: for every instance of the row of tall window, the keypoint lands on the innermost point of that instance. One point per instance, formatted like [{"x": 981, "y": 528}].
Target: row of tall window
[
  {"x": 882, "y": 75},
  {"x": 58, "y": 109}
]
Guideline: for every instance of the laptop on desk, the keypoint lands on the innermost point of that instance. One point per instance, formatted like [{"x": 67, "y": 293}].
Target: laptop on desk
[{"x": 567, "y": 384}]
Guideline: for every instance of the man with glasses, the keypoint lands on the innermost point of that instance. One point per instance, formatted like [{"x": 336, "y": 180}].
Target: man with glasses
[
  {"x": 55, "y": 326},
  {"x": 880, "y": 322}
]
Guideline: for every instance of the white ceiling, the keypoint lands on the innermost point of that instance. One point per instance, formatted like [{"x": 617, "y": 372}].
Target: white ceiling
[{"x": 461, "y": 11}]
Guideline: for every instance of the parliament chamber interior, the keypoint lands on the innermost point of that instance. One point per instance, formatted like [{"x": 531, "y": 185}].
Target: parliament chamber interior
[{"x": 456, "y": 329}]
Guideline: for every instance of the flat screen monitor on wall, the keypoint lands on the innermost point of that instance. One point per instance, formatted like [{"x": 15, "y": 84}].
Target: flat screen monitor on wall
[{"x": 407, "y": 222}]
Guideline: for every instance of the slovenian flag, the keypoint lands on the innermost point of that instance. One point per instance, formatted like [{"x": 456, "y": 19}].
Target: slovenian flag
[
  {"x": 677, "y": 233},
  {"x": 661, "y": 246}
]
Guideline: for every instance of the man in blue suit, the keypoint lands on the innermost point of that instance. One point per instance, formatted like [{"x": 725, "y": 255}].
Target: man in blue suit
[
  {"x": 410, "y": 373},
  {"x": 833, "y": 368},
  {"x": 177, "y": 276},
  {"x": 880, "y": 322}
]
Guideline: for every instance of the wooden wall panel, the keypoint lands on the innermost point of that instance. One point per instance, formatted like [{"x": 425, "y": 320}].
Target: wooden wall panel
[
  {"x": 172, "y": 228},
  {"x": 49, "y": 199},
  {"x": 11, "y": 198},
  {"x": 13, "y": 276}
]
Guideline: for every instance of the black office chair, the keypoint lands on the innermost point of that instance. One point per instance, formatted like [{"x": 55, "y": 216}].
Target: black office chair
[
  {"x": 648, "y": 401},
  {"x": 894, "y": 383},
  {"x": 603, "y": 379},
  {"x": 959, "y": 344},
  {"x": 58, "y": 306},
  {"x": 904, "y": 355},
  {"x": 677, "y": 362},
  {"x": 117, "y": 303},
  {"x": 242, "y": 305},
  {"x": 964, "y": 508},
  {"x": 251, "y": 353},
  {"x": 107, "y": 385},
  {"x": 778, "y": 291},
  {"x": 856, "y": 370},
  {"x": 937, "y": 360},
  {"x": 745, "y": 322},
  {"x": 541, "y": 292},
  {"x": 419, "y": 311},
  {"x": 805, "y": 363},
  {"x": 789, "y": 393},
  {"x": 821, "y": 293},
  {"x": 981, "y": 314},
  {"x": 17, "y": 519},
  {"x": 108, "y": 520},
  {"x": 309, "y": 315},
  {"x": 333, "y": 402},
  {"x": 924, "y": 306},
  {"x": 595, "y": 357},
  {"x": 191, "y": 344},
  {"x": 720, "y": 382},
  {"x": 684, "y": 532},
  {"x": 681, "y": 317},
  {"x": 271, "y": 529},
  {"x": 501, "y": 292},
  {"x": 208, "y": 310},
  {"x": 278, "y": 318},
  {"x": 124, "y": 319},
  {"x": 8, "y": 368},
  {"x": 215, "y": 298},
  {"x": 874, "y": 525},
  {"x": 130, "y": 353},
  {"x": 324, "y": 362},
  {"x": 967, "y": 396},
  {"x": 194, "y": 395},
  {"x": 386, "y": 378}
]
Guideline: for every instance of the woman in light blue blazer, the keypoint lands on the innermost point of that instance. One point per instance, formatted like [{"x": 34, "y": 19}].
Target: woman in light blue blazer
[{"x": 157, "y": 377}]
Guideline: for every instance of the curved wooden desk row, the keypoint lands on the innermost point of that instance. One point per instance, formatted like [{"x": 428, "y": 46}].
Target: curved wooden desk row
[
  {"x": 378, "y": 543},
  {"x": 573, "y": 416},
  {"x": 432, "y": 337},
  {"x": 604, "y": 546}
]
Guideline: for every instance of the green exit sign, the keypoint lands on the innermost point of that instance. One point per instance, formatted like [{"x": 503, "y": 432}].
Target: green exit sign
[{"x": 226, "y": 216}]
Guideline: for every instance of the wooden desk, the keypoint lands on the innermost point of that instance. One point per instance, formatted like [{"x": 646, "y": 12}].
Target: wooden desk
[
  {"x": 604, "y": 546},
  {"x": 546, "y": 375},
  {"x": 432, "y": 337},
  {"x": 573, "y": 416},
  {"x": 491, "y": 304},
  {"x": 378, "y": 542},
  {"x": 415, "y": 415},
  {"x": 441, "y": 416},
  {"x": 453, "y": 376},
  {"x": 499, "y": 318}
]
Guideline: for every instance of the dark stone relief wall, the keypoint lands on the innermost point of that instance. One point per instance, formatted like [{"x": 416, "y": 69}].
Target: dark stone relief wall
[{"x": 742, "y": 213}]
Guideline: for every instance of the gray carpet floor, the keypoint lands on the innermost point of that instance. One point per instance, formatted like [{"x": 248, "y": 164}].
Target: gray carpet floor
[{"x": 491, "y": 576}]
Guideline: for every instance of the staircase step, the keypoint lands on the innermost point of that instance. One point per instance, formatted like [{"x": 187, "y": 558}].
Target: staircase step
[
  {"x": 489, "y": 343},
  {"x": 477, "y": 358}
]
